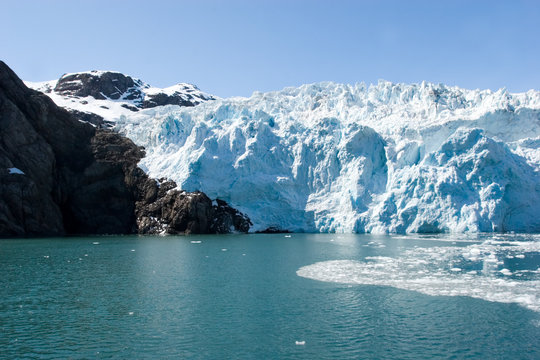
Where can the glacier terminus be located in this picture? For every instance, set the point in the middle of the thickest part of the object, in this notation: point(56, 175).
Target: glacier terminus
point(327, 157)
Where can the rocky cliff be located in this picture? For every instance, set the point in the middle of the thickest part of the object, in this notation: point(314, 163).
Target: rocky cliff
point(61, 175)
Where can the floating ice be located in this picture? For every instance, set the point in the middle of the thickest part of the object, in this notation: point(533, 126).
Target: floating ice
point(505, 272)
point(434, 271)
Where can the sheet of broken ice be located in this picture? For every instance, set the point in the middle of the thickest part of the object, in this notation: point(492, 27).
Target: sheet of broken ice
point(494, 270)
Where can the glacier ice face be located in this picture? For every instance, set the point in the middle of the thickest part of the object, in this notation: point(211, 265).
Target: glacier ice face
point(351, 158)
point(471, 183)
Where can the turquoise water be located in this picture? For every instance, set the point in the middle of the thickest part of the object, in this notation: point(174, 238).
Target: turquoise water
point(256, 296)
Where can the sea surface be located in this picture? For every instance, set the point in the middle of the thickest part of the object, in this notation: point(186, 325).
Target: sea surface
point(279, 296)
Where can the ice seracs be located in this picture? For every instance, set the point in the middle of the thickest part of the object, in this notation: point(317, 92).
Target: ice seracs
point(340, 158)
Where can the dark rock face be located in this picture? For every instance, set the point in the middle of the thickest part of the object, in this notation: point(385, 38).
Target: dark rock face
point(183, 97)
point(175, 211)
point(91, 118)
point(100, 85)
point(227, 218)
point(273, 230)
point(32, 140)
point(62, 176)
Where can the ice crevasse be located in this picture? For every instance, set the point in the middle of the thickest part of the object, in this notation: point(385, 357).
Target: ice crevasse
point(385, 158)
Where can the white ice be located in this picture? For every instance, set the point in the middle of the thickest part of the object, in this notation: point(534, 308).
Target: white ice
point(339, 158)
point(430, 271)
point(15, 170)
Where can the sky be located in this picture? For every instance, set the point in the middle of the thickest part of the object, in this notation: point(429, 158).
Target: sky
point(233, 48)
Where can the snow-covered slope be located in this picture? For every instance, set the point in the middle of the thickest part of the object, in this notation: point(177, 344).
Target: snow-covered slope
point(110, 94)
point(334, 157)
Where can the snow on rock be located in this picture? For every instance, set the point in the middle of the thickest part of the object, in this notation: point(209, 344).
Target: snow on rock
point(15, 170)
point(111, 94)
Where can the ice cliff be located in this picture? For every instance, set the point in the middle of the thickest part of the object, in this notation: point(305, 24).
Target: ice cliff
point(341, 158)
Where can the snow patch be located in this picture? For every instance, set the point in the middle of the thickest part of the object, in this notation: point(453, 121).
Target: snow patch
point(15, 170)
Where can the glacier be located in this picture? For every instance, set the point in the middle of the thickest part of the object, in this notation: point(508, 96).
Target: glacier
point(385, 158)
point(327, 157)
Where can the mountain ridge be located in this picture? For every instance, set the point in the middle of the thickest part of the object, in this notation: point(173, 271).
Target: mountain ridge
point(92, 95)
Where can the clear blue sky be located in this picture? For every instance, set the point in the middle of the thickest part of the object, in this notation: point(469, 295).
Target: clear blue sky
point(233, 48)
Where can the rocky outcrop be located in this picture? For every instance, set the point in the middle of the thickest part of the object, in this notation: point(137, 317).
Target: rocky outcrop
point(60, 176)
point(109, 85)
point(175, 211)
point(160, 207)
point(181, 95)
point(100, 85)
point(92, 118)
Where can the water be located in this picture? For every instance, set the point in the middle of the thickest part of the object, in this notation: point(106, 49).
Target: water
point(263, 296)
